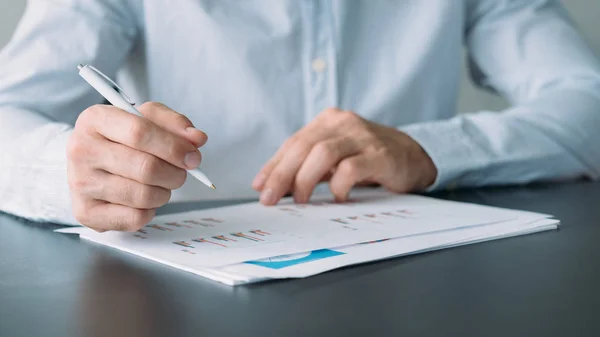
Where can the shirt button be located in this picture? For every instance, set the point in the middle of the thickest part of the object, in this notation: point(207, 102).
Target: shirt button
point(318, 65)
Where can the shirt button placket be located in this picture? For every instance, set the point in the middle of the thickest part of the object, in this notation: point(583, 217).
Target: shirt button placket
point(322, 58)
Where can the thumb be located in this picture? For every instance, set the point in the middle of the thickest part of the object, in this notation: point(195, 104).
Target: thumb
point(172, 121)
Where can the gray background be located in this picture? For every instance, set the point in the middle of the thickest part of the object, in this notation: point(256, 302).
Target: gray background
point(585, 13)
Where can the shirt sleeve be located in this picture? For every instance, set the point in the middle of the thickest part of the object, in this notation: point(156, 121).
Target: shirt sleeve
point(41, 96)
point(531, 53)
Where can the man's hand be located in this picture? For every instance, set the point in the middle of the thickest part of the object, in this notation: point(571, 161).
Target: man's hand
point(121, 167)
point(345, 149)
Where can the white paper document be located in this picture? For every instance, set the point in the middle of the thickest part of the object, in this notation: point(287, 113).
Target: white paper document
point(316, 262)
point(250, 242)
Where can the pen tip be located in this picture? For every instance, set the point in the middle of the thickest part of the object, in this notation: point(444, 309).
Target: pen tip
point(80, 66)
point(213, 187)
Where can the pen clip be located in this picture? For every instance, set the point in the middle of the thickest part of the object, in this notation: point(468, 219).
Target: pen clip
point(117, 88)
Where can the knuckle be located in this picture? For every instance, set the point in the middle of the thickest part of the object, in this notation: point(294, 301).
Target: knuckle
point(329, 117)
point(125, 193)
point(349, 169)
point(138, 132)
point(349, 117)
point(372, 139)
point(90, 114)
point(267, 169)
point(146, 196)
point(324, 150)
point(340, 119)
point(299, 149)
point(76, 148)
point(149, 197)
point(373, 147)
point(277, 177)
point(152, 106)
point(165, 196)
point(96, 109)
point(83, 211)
point(139, 218)
point(181, 120)
point(384, 151)
point(77, 184)
point(176, 149)
point(81, 214)
point(289, 143)
point(179, 178)
point(94, 118)
point(148, 168)
point(331, 111)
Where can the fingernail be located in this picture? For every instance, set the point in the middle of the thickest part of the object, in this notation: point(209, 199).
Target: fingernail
point(192, 160)
point(259, 180)
point(267, 197)
point(191, 129)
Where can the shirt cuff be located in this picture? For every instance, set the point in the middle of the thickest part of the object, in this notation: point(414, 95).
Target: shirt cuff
point(445, 143)
point(34, 176)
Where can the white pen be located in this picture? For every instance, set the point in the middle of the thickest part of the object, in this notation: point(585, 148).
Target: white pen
point(117, 97)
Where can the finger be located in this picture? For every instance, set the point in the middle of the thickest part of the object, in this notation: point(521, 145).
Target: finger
point(263, 175)
point(317, 130)
point(280, 180)
point(323, 179)
point(307, 136)
point(118, 190)
point(102, 216)
point(351, 171)
point(173, 122)
point(141, 134)
point(261, 178)
point(323, 157)
point(137, 165)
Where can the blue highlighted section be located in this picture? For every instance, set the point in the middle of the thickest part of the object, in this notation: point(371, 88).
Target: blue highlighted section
point(284, 261)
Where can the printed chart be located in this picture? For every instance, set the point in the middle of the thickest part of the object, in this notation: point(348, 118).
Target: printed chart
point(251, 232)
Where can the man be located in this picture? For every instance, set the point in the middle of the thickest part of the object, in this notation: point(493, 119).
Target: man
point(356, 91)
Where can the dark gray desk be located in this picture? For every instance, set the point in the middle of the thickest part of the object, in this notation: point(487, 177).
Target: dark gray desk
point(545, 284)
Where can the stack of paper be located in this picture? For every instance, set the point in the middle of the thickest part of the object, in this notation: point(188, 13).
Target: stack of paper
point(249, 243)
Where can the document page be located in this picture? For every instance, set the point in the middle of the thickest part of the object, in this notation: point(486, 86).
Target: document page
point(230, 235)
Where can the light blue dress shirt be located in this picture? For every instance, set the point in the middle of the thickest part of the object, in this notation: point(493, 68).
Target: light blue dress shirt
point(251, 73)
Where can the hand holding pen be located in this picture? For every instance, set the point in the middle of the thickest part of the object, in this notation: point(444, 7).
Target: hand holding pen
point(124, 162)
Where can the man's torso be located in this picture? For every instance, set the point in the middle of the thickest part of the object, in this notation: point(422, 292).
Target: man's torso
point(251, 73)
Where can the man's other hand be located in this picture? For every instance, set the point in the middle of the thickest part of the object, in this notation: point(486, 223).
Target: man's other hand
point(346, 150)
